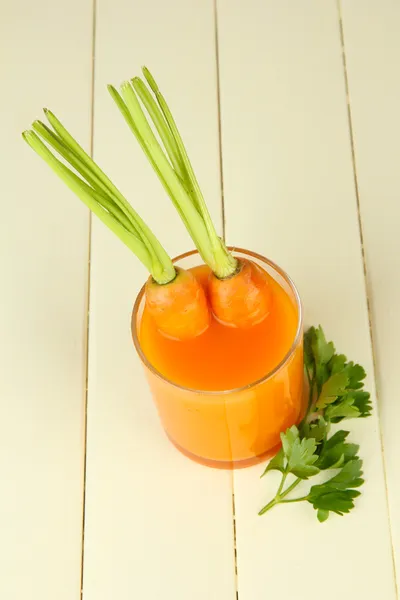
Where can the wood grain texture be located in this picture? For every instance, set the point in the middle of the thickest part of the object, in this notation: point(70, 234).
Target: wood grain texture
point(372, 46)
point(44, 239)
point(157, 525)
point(289, 194)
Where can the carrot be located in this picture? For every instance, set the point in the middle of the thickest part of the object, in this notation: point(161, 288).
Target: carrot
point(239, 292)
point(243, 300)
point(176, 300)
point(180, 308)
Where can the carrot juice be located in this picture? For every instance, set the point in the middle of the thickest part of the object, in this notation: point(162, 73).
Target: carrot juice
point(225, 396)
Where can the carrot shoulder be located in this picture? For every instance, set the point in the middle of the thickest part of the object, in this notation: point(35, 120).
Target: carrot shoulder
point(180, 307)
point(242, 300)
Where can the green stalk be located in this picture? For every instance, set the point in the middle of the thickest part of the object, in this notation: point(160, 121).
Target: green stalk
point(131, 123)
point(154, 247)
point(73, 159)
point(161, 125)
point(291, 487)
point(103, 205)
point(280, 496)
point(112, 208)
point(283, 480)
point(93, 181)
point(177, 192)
point(174, 177)
point(85, 193)
point(226, 262)
point(294, 499)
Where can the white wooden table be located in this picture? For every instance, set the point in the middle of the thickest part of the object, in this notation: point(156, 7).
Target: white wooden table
point(302, 101)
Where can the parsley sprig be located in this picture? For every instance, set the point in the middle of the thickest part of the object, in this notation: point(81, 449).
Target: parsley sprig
point(336, 392)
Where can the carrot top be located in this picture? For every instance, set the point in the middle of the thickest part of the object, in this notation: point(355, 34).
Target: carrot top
point(172, 166)
point(99, 194)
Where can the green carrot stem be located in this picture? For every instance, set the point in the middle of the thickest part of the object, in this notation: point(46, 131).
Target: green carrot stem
point(113, 209)
point(92, 200)
point(74, 147)
point(73, 159)
point(88, 175)
point(197, 196)
point(226, 262)
point(177, 192)
point(132, 125)
point(154, 247)
point(161, 125)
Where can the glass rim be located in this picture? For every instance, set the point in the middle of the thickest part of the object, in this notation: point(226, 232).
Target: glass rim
point(243, 388)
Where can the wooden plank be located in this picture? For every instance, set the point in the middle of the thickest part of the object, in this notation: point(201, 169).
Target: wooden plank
point(289, 194)
point(44, 238)
point(372, 46)
point(157, 525)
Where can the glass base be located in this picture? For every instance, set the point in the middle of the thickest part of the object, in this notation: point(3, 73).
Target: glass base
point(248, 462)
point(223, 464)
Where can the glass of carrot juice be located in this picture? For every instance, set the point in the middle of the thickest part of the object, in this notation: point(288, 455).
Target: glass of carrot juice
point(225, 396)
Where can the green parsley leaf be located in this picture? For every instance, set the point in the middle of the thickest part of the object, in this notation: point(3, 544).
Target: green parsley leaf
point(322, 350)
point(344, 409)
point(355, 403)
point(339, 502)
point(318, 352)
point(317, 430)
point(276, 464)
point(348, 477)
point(288, 439)
point(337, 363)
point(300, 454)
point(337, 495)
point(356, 374)
point(332, 388)
point(322, 515)
point(362, 401)
point(337, 438)
point(336, 452)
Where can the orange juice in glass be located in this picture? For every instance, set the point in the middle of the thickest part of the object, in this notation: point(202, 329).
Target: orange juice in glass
point(225, 396)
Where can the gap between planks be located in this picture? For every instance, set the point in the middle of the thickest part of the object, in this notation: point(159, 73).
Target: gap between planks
point(366, 277)
point(223, 216)
point(87, 311)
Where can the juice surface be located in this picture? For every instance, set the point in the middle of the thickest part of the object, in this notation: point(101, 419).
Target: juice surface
point(223, 358)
